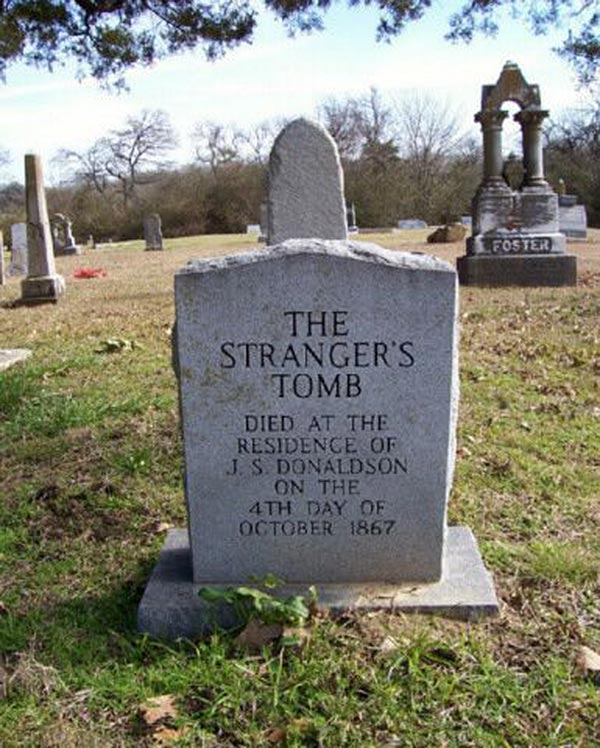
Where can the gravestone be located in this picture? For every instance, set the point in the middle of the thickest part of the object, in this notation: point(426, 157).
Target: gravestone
point(409, 224)
point(515, 238)
point(253, 229)
point(42, 283)
point(153, 232)
point(306, 192)
point(62, 236)
point(318, 394)
point(351, 219)
point(572, 216)
point(18, 249)
point(264, 223)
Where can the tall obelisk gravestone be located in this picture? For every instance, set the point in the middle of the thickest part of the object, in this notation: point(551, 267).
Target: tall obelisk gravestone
point(319, 388)
point(42, 283)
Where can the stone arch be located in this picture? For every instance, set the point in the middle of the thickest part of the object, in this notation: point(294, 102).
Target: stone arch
point(511, 86)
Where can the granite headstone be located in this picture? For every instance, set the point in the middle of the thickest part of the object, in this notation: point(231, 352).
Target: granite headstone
point(318, 394)
point(572, 217)
point(18, 249)
point(306, 192)
point(153, 232)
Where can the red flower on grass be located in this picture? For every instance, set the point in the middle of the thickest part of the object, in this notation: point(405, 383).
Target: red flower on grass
point(90, 273)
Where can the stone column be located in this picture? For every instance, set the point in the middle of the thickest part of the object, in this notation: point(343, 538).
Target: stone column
point(533, 154)
point(42, 283)
point(491, 127)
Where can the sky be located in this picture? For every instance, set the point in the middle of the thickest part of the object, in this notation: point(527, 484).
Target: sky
point(277, 77)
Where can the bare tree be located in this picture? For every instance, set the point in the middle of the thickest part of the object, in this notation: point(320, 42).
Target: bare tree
point(342, 119)
point(87, 167)
point(216, 145)
point(128, 156)
point(255, 144)
point(133, 152)
point(361, 126)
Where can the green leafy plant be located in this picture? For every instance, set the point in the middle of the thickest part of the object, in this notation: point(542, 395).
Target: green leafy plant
point(250, 602)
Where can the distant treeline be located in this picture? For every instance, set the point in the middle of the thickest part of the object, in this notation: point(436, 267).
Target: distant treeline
point(404, 159)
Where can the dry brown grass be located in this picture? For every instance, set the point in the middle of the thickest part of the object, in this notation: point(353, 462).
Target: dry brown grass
point(139, 285)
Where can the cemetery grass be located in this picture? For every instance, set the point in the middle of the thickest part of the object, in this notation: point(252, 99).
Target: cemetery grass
point(91, 469)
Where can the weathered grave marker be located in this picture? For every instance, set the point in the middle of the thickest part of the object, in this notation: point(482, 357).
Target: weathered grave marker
point(264, 223)
point(62, 236)
point(572, 216)
point(18, 249)
point(153, 232)
point(42, 283)
point(318, 389)
point(306, 193)
point(351, 218)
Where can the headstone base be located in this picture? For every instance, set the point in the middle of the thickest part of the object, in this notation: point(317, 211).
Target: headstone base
point(42, 289)
point(67, 251)
point(529, 270)
point(153, 249)
point(170, 607)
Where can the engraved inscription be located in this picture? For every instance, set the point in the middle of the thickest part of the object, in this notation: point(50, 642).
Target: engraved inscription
point(314, 469)
point(521, 245)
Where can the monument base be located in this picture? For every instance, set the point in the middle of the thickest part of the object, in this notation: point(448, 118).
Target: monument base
point(521, 270)
point(42, 289)
point(153, 249)
point(170, 607)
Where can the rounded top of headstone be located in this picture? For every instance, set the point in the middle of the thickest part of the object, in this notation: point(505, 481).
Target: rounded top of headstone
point(303, 123)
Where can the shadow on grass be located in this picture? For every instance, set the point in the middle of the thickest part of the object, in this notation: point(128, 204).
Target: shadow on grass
point(86, 631)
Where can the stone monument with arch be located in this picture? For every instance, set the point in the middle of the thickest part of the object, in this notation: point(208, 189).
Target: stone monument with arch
point(516, 239)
